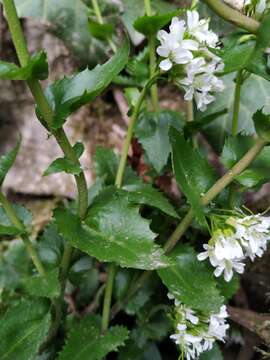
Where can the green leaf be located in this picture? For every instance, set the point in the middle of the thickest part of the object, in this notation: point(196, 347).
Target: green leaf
point(145, 194)
point(132, 351)
point(152, 132)
point(100, 31)
point(50, 246)
point(37, 68)
point(23, 328)
point(70, 93)
point(65, 164)
point(131, 13)
point(234, 149)
point(228, 289)
point(68, 20)
point(218, 130)
point(85, 341)
point(46, 286)
point(148, 25)
point(113, 231)
point(106, 165)
point(7, 227)
point(191, 281)
point(6, 161)
point(14, 264)
point(214, 354)
point(262, 124)
point(251, 178)
point(193, 173)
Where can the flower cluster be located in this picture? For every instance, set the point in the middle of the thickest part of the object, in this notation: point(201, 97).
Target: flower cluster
point(186, 46)
point(195, 332)
point(245, 236)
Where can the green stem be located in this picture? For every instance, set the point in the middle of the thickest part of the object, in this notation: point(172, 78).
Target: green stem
point(14, 219)
point(100, 21)
point(216, 189)
point(236, 105)
point(108, 299)
point(220, 185)
point(152, 58)
point(118, 183)
point(47, 116)
point(132, 122)
point(233, 16)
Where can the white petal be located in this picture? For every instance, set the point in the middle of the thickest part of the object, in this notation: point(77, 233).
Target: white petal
point(163, 51)
point(166, 65)
point(202, 256)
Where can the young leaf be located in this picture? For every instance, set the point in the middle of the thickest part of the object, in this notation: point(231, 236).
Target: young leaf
point(256, 177)
point(191, 281)
point(262, 124)
point(100, 31)
point(24, 327)
point(152, 132)
point(85, 341)
point(65, 164)
point(48, 286)
point(6, 161)
point(113, 231)
point(149, 25)
point(7, 227)
point(141, 193)
point(70, 93)
point(37, 68)
point(193, 173)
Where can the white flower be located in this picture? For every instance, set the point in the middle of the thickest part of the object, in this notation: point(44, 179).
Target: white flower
point(174, 47)
point(225, 254)
point(218, 326)
point(199, 28)
point(195, 337)
point(201, 82)
point(253, 233)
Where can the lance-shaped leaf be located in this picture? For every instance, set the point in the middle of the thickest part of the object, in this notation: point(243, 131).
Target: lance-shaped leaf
point(37, 68)
point(149, 25)
point(193, 173)
point(70, 93)
point(86, 342)
point(65, 164)
point(100, 31)
point(23, 329)
point(6, 161)
point(191, 281)
point(113, 231)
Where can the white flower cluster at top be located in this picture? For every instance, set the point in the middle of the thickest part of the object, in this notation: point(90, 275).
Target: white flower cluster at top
point(244, 237)
point(195, 332)
point(187, 46)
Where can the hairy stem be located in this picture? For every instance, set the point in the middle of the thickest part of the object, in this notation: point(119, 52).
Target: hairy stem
point(15, 220)
point(233, 16)
point(236, 104)
point(118, 183)
point(100, 21)
point(152, 58)
point(180, 230)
